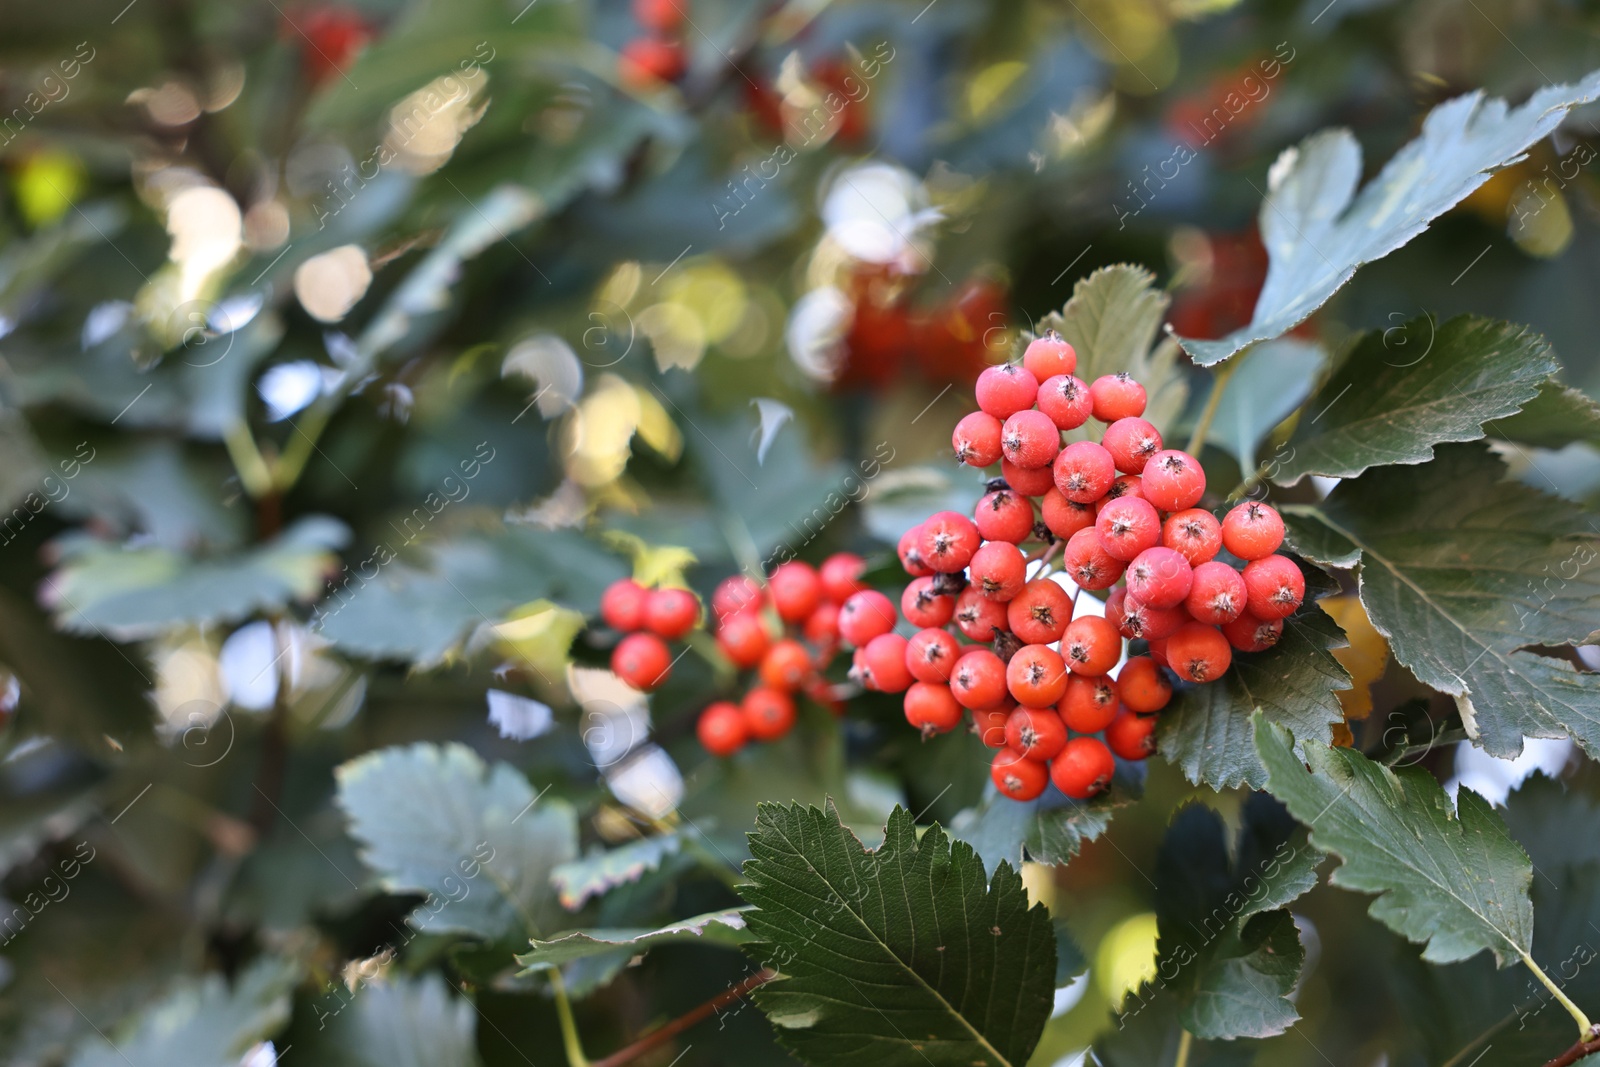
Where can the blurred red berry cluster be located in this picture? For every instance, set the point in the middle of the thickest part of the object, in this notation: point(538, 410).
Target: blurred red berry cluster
point(659, 55)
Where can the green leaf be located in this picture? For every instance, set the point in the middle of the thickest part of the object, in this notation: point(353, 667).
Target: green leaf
point(202, 1023)
point(396, 1022)
point(901, 956)
point(134, 593)
point(1386, 404)
point(1451, 880)
point(1150, 1034)
point(1111, 322)
point(473, 839)
point(1557, 417)
point(604, 869)
point(1206, 731)
point(1462, 572)
point(1264, 388)
point(424, 613)
point(725, 927)
point(1318, 230)
point(1049, 830)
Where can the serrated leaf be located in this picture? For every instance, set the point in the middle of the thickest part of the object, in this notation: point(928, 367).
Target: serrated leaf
point(1318, 230)
point(717, 927)
point(604, 869)
point(1263, 389)
point(1462, 572)
point(475, 839)
point(1386, 404)
point(1453, 881)
point(134, 593)
point(1049, 830)
point(901, 956)
point(1111, 321)
point(202, 1023)
point(1559, 416)
point(396, 1022)
point(1205, 730)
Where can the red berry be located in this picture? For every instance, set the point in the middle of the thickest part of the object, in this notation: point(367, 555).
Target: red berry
point(1159, 577)
point(1152, 624)
point(1049, 356)
point(1004, 516)
point(931, 655)
point(1029, 482)
point(1006, 389)
point(1158, 650)
point(1066, 400)
point(722, 729)
point(1250, 634)
point(1084, 471)
point(1040, 613)
point(979, 680)
point(1198, 653)
point(1141, 686)
point(1195, 534)
point(646, 61)
point(931, 708)
point(1030, 440)
point(910, 555)
point(641, 660)
point(768, 714)
point(1252, 530)
point(743, 639)
point(866, 615)
point(1017, 776)
point(1275, 586)
point(1173, 480)
point(671, 613)
point(1083, 768)
point(978, 617)
point(1091, 646)
point(948, 541)
point(1128, 485)
point(1064, 517)
point(1088, 563)
point(1217, 594)
point(1133, 737)
point(990, 726)
point(1036, 676)
point(734, 594)
point(923, 607)
point(660, 16)
point(1116, 607)
point(1127, 527)
point(1036, 733)
point(622, 605)
point(998, 571)
point(1117, 396)
point(882, 664)
point(1089, 704)
point(822, 626)
point(795, 589)
point(976, 439)
point(786, 666)
point(1131, 443)
point(840, 574)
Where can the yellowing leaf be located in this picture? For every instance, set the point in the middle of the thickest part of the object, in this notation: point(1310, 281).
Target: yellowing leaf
point(1366, 657)
point(539, 635)
point(654, 566)
point(47, 186)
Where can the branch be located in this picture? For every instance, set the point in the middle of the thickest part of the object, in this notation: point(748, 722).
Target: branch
point(1583, 1048)
point(683, 1022)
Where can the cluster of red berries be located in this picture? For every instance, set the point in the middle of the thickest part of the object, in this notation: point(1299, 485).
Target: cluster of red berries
point(659, 55)
point(805, 602)
point(1120, 510)
point(648, 619)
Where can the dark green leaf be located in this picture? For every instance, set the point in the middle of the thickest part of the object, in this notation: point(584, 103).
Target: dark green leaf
point(902, 956)
point(717, 927)
point(1462, 572)
point(474, 839)
point(1451, 880)
point(1559, 416)
point(1387, 404)
point(1049, 830)
point(1318, 230)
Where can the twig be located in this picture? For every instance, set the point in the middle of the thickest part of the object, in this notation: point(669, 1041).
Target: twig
point(1576, 1052)
point(1185, 1043)
point(1203, 426)
point(569, 1025)
point(1586, 1029)
point(683, 1022)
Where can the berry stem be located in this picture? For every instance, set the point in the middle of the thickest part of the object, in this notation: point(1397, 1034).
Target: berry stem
point(1586, 1029)
point(1203, 425)
point(1185, 1043)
